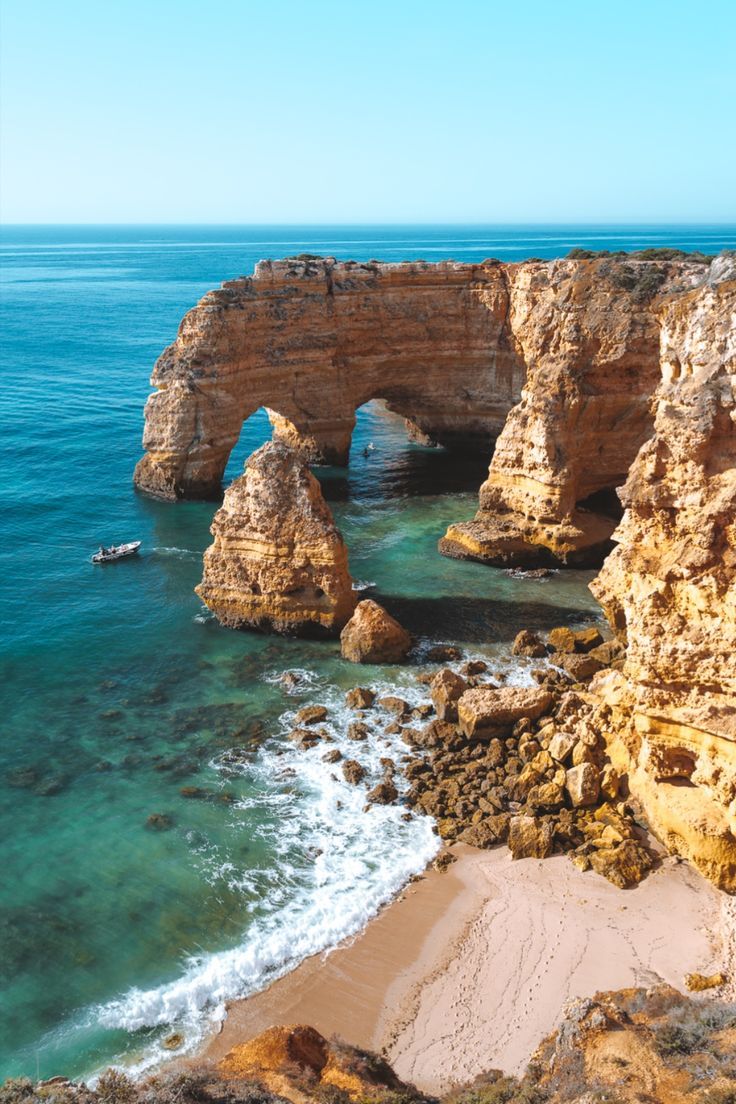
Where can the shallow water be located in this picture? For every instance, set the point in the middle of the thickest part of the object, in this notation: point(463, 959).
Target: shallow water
point(118, 689)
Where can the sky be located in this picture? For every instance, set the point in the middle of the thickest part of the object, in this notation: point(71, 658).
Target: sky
point(367, 111)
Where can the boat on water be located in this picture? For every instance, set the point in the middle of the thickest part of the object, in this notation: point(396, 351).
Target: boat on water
point(115, 552)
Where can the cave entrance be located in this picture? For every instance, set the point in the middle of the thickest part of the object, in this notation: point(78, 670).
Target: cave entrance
point(389, 459)
point(604, 502)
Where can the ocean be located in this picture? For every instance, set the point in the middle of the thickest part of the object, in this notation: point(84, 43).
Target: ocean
point(119, 690)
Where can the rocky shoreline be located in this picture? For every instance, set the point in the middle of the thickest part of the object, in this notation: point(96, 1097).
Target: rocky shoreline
point(596, 374)
point(628, 366)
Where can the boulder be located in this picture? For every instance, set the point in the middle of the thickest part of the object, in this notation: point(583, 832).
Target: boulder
point(583, 784)
point(625, 864)
point(530, 838)
point(610, 782)
point(436, 734)
point(548, 795)
point(561, 745)
point(608, 652)
point(359, 698)
point(483, 710)
point(581, 668)
point(587, 639)
point(373, 636)
point(305, 738)
point(353, 772)
point(562, 639)
point(488, 832)
point(446, 687)
point(311, 714)
point(394, 705)
point(474, 667)
point(527, 643)
point(358, 731)
point(385, 793)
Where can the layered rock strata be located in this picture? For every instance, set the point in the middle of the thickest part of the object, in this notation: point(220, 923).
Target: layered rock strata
point(278, 561)
point(669, 589)
point(589, 338)
point(312, 340)
point(448, 346)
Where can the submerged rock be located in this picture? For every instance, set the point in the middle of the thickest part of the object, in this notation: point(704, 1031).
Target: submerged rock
point(444, 653)
point(278, 560)
point(373, 636)
point(160, 822)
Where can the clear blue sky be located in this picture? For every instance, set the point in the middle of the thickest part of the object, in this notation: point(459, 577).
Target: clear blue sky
point(368, 110)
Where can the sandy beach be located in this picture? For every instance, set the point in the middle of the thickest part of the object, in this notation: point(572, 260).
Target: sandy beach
point(470, 969)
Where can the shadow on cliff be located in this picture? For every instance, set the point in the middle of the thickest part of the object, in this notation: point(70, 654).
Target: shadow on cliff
point(476, 620)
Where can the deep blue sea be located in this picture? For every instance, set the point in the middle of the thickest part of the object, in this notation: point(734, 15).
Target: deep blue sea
point(118, 689)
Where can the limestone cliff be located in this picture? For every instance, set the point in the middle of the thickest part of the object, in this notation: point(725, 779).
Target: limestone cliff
point(278, 560)
point(587, 333)
point(312, 340)
point(669, 589)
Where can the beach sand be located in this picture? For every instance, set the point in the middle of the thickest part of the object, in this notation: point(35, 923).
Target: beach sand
point(470, 969)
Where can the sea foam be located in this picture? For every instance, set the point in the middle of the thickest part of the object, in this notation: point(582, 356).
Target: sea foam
point(337, 865)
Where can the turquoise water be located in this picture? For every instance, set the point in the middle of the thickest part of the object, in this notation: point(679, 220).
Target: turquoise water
point(118, 689)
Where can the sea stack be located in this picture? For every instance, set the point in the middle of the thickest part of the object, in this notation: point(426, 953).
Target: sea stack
point(278, 560)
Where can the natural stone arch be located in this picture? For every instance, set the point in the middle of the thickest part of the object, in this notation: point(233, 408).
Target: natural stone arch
point(314, 340)
point(452, 348)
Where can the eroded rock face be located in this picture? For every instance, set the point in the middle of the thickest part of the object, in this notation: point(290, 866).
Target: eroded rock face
point(448, 346)
point(301, 1066)
point(312, 340)
point(669, 589)
point(278, 561)
point(589, 338)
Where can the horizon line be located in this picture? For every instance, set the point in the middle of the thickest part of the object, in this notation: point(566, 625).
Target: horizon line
point(289, 225)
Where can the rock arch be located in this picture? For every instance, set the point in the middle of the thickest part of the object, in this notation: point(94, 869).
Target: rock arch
point(314, 340)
